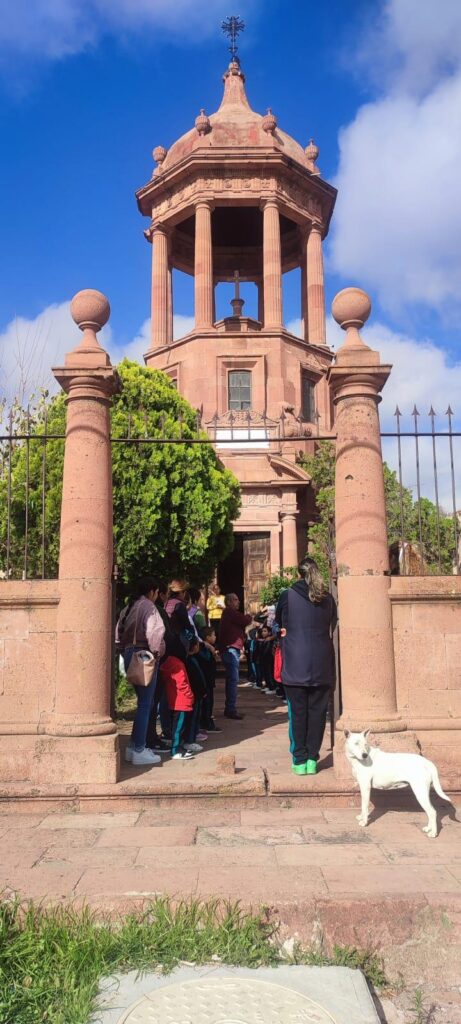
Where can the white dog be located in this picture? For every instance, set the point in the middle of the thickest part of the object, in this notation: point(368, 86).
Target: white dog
point(373, 768)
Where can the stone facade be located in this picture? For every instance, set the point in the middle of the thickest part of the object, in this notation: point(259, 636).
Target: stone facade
point(238, 194)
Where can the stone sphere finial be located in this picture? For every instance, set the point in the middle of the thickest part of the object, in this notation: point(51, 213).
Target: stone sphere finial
point(90, 308)
point(269, 122)
point(203, 123)
point(159, 154)
point(351, 307)
point(312, 151)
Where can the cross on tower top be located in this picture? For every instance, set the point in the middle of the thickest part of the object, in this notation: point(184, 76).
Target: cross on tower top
point(232, 27)
point(237, 303)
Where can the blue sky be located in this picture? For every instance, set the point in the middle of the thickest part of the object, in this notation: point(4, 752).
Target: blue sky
point(89, 87)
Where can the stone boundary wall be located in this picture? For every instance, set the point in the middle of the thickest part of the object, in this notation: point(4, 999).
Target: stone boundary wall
point(28, 614)
point(426, 616)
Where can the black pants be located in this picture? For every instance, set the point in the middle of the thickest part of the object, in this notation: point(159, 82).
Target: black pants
point(307, 714)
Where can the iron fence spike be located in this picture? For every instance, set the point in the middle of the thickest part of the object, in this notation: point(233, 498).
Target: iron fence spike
point(449, 411)
point(432, 412)
point(397, 412)
point(415, 411)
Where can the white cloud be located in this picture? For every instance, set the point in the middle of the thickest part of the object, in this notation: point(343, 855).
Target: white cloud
point(54, 29)
point(421, 375)
point(30, 347)
point(398, 219)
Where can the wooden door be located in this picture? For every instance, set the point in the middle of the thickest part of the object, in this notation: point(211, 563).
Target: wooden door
point(256, 569)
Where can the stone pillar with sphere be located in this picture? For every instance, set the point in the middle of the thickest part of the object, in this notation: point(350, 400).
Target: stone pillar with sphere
point(366, 639)
point(81, 743)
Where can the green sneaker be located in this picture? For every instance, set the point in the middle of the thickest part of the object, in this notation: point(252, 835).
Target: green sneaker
point(299, 769)
point(311, 767)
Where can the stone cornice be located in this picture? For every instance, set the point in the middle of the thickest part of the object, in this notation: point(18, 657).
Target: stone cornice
point(201, 173)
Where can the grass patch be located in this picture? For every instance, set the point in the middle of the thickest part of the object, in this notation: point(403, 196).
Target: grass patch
point(52, 960)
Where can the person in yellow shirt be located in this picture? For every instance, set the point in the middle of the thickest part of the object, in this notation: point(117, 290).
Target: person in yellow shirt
point(215, 607)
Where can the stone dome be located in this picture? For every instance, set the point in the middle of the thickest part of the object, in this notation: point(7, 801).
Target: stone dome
point(235, 125)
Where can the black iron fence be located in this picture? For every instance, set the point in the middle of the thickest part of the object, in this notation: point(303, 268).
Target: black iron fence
point(423, 454)
point(422, 482)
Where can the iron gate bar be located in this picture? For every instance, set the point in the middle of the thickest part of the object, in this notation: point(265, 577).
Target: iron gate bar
point(436, 486)
point(26, 523)
point(415, 415)
point(399, 449)
point(451, 435)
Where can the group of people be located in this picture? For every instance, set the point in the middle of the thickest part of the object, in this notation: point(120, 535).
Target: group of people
point(169, 622)
point(289, 653)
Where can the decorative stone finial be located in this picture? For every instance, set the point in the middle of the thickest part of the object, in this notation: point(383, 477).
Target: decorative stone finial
point(159, 154)
point(90, 309)
point(351, 308)
point(202, 123)
point(312, 152)
point(269, 122)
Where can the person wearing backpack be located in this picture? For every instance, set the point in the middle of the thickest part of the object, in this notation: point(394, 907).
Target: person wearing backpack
point(307, 616)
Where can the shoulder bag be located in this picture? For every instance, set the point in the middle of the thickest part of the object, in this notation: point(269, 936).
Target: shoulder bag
point(140, 671)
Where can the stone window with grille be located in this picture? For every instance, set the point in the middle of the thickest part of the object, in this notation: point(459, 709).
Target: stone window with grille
point(307, 398)
point(239, 390)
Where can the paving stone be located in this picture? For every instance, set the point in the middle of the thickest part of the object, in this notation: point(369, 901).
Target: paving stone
point(193, 816)
point(181, 858)
point(123, 819)
point(256, 884)
point(91, 857)
point(321, 855)
point(335, 835)
point(260, 835)
point(137, 881)
point(277, 816)
point(284, 995)
point(44, 880)
point(47, 838)
point(159, 835)
point(393, 878)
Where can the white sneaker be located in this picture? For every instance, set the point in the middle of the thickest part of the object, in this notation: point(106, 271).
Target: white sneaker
point(145, 756)
point(182, 755)
point(194, 748)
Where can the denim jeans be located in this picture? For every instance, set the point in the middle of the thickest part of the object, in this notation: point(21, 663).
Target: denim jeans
point(231, 660)
point(145, 697)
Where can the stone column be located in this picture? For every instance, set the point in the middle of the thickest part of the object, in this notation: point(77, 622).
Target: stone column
point(366, 639)
point(82, 745)
point(160, 289)
point(170, 305)
point(272, 265)
point(275, 549)
point(304, 304)
point(315, 287)
point(289, 539)
point(203, 266)
point(260, 287)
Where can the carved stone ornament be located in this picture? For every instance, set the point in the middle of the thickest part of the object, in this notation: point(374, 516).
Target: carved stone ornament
point(203, 123)
point(159, 154)
point(269, 122)
point(261, 499)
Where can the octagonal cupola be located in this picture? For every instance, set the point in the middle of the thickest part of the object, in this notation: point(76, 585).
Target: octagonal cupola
point(237, 194)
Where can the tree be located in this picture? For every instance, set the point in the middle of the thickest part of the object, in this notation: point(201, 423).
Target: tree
point(399, 502)
point(279, 581)
point(173, 503)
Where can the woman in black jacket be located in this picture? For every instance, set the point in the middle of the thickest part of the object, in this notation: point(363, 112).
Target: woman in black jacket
point(306, 613)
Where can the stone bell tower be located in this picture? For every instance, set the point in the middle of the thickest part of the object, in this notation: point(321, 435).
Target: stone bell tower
point(237, 199)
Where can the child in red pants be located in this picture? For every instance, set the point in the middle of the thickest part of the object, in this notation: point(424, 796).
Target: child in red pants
point(180, 700)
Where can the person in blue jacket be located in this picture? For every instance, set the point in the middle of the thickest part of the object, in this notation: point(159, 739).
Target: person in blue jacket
point(307, 616)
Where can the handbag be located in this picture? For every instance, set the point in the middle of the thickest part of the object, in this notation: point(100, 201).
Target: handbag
point(140, 671)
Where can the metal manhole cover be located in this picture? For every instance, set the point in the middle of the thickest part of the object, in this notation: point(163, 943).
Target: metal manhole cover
point(226, 1001)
